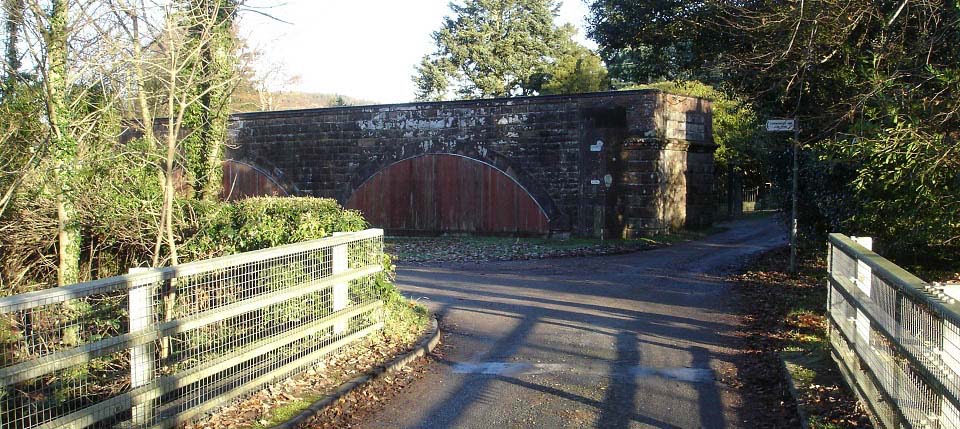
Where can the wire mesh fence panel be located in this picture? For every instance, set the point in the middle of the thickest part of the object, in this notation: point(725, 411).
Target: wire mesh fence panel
point(896, 339)
point(157, 347)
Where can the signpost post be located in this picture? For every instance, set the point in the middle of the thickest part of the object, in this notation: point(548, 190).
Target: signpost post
point(783, 125)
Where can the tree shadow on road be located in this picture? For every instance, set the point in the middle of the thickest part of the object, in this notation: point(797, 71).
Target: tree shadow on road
point(636, 318)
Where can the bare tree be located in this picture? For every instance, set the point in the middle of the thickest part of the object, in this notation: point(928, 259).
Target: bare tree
point(167, 41)
point(65, 54)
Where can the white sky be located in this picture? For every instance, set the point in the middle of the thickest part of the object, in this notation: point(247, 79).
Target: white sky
point(360, 48)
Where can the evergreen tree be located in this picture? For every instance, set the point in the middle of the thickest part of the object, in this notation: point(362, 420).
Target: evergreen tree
point(491, 48)
point(13, 9)
point(648, 41)
point(576, 70)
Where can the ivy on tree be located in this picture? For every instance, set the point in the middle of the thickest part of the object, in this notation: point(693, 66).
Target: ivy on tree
point(211, 29)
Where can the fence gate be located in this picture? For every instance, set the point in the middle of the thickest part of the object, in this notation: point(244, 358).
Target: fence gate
point(156, 348)
point(895, 338)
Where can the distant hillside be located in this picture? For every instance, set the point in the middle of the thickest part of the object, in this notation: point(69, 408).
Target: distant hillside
point(251, 101)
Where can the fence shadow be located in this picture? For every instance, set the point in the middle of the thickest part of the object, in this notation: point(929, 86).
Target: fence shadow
point(668, 311)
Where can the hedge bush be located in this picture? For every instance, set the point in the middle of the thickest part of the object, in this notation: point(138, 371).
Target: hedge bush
point(216, 228)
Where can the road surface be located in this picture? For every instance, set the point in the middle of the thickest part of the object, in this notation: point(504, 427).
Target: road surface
point(637, 340)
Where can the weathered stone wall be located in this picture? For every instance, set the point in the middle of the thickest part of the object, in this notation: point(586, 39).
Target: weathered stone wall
point(618, 162)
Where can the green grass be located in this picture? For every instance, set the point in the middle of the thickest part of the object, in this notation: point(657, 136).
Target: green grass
point(817, 422)
point(286, 412)
point(476, 249)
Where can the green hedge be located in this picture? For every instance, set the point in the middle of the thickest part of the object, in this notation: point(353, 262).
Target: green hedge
point(212, 229)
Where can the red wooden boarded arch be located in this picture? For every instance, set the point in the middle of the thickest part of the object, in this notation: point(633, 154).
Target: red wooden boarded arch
point(242, 180)
point(444, 192)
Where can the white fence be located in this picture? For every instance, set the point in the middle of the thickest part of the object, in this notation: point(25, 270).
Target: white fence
point(896, 338)
point(155, 348)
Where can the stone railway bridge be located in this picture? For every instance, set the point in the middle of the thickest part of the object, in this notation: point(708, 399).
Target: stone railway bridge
point(617, 164)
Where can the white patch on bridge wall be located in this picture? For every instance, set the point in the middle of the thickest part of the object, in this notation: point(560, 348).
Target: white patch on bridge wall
point(402, 121)
point(512, 119)
point(426, 124)
point(234, 132)
point(469, 122)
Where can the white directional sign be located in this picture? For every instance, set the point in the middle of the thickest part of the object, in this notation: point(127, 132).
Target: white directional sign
point(780, 124)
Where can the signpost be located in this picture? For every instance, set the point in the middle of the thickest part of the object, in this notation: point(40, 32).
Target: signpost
point(774, 125)
point(783, 125)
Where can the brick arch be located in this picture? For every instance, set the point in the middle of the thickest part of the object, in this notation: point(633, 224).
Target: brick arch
point(441, 192)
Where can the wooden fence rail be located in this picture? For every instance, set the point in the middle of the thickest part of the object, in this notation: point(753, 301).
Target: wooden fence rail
point(895, 338)
point(157, 347)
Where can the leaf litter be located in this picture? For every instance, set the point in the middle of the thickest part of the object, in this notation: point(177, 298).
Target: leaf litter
point(282, 400)
point(785, 312)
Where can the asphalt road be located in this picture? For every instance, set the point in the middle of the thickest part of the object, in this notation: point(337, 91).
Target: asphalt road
point(637, 340)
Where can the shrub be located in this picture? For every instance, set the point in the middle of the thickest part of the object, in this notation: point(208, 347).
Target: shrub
point(270, 221)
point(210, 229)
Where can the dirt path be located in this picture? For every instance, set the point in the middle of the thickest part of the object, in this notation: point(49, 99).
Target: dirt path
point(637, 340)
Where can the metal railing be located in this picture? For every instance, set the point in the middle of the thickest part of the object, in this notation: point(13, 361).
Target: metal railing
point(155, 348)
point(896, 338)
point(750, 198)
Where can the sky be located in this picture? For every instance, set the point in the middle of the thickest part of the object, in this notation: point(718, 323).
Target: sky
point(360, 48)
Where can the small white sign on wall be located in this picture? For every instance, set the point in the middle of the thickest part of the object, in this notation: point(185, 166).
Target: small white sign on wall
point(597, 147)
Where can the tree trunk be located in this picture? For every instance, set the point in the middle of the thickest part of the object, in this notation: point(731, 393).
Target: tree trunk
point(146, 118)
point(14, 11)
point(212, 32)
point(64, 146)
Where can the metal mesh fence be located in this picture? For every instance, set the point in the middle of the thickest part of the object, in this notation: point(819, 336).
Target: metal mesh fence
point(897, 341)
point(155, 348)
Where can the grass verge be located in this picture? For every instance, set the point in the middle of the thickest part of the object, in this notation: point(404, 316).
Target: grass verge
point(417, 250)
point(784, 316)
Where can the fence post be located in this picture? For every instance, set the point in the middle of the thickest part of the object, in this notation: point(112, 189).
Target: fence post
point(864, 282)
point(830, 276)
point(950, 352)
point(140, 311)
point(341, 295)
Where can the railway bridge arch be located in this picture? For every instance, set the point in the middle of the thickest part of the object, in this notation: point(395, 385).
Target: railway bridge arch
point(612, 163)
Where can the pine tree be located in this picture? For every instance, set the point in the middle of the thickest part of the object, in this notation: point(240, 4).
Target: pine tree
point(491, 48)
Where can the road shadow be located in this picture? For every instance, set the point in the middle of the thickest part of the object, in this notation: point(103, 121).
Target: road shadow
point(671, 306)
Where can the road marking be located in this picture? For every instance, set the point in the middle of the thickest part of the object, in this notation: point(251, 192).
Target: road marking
point(689, 375)
point(508, 368)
